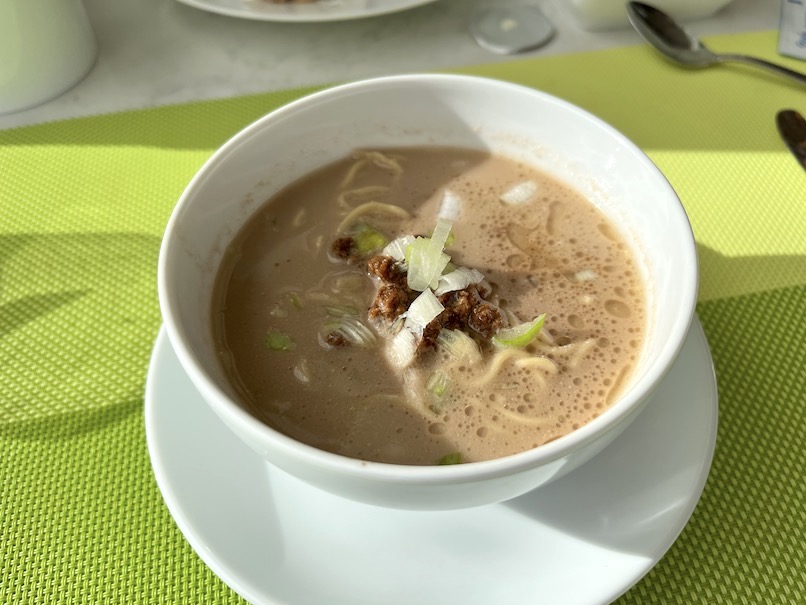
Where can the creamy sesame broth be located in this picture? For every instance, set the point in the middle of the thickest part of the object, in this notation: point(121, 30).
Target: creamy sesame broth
point(321, 332)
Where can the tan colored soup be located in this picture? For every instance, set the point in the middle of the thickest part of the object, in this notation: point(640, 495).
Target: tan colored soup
point(279, 287)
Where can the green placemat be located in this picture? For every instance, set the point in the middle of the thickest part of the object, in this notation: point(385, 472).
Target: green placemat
point(83, 204)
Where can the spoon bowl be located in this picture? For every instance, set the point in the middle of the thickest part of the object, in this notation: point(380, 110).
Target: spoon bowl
point(667, 36)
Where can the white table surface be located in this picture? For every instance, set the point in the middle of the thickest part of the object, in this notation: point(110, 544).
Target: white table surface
point(159, 52)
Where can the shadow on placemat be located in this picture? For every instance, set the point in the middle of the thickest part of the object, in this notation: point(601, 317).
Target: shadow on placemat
point(78, 316)
point(71, 424)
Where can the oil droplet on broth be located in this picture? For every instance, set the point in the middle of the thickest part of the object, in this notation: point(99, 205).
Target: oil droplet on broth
point(616, 308)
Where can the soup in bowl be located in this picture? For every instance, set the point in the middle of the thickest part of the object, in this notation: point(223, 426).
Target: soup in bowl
point(428, 292)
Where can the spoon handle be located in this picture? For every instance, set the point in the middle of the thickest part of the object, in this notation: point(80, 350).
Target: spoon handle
point(779, 69)
point(792, 128)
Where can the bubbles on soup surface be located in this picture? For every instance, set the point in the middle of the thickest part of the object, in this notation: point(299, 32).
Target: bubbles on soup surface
point(556, 254)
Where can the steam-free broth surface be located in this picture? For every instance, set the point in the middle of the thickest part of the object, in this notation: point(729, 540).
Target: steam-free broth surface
point(294, 334)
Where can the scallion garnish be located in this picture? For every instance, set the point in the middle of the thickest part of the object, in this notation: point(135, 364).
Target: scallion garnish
point(397, 248)
point(459, 345)
point(458, 279)
point(454, 458)
point(341, 310)
point(353, 331)
point(295, 300)
point(426, 259)
point(368, 239)
point(422, 310)
point(402, 349)
point(437, 384)
point(520, 335)
point(302, 372)
point(348, 283)
point(442, 231)
point(279, 341)
point(450, 206)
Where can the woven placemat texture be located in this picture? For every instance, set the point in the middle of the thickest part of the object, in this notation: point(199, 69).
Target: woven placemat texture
point(84, 202)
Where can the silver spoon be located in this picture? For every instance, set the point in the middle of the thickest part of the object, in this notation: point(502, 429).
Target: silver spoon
point(662, 32)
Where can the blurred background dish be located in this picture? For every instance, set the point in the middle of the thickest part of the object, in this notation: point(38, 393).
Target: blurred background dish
point(600, 15)
point(46, 48)
point(311, 10)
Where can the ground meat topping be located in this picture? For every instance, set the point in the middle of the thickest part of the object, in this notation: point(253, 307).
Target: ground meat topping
point(430, 335)
point(387, 269)
point(390, 302)
point(458, 306)
point(486, 319)
point(466, 309)
point(343, 248)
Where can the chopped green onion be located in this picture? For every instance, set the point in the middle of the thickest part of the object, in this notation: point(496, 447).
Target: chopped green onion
point(352, 330)
point(520, 335)
point(278, 341)
point(295, 300)
point(368, 239)
point(437, 383)
point(422, 310)
point(341, 310)
point(459, 345)
point(454, 458)
point(348, 283)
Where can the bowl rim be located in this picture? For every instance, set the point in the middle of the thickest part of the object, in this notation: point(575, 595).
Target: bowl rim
point(288, 448)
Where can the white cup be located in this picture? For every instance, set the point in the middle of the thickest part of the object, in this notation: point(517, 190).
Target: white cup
point(46, 47)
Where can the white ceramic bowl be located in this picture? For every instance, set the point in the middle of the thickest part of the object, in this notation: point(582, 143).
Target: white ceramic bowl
point(419, 110)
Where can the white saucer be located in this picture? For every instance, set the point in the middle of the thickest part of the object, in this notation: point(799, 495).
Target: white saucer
point(321, 10)
point(585, 538)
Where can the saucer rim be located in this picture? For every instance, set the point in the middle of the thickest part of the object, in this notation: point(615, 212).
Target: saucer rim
point(231, 577)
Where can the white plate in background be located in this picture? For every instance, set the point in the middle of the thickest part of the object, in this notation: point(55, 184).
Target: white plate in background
point(318, 10)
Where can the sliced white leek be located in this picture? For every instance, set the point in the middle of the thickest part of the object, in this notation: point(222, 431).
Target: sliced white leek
point(458, 279)
point(397, 248)
point(422, 310)
point(459, 345)
point(402, 349)
point(520, 193)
